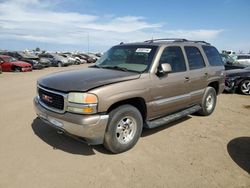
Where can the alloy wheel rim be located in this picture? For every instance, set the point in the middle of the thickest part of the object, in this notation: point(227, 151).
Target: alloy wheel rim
point(209, 102)
point(126, 129)
point(245, 87)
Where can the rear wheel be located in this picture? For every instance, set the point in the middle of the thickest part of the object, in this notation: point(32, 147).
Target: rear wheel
point(245, 87)
point(208, 102)
point(124, 129)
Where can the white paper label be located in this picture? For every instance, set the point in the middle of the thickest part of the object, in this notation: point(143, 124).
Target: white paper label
point(143, 50)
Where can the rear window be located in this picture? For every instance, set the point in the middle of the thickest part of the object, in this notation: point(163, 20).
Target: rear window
point(213, 56)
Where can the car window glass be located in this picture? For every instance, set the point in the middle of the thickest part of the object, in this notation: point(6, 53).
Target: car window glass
point(194, 56)
point(174, 57)
point(213, 56)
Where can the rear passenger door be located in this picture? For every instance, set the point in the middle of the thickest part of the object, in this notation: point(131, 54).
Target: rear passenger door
point(198, 73)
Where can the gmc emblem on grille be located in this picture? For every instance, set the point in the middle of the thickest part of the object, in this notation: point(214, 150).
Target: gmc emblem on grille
point(47, 98)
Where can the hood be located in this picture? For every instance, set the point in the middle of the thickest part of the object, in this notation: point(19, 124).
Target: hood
point(21, 64)
point(85, 79)
point(236, 71)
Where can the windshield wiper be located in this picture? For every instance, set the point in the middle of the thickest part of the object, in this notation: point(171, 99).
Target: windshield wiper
point(117, 68)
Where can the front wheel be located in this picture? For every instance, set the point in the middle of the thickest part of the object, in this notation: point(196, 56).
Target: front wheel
point(245, 87)
point(208, 102)
point(17, 69)
point(124, 129)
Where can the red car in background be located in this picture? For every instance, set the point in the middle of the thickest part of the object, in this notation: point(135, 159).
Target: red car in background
point(9, 64)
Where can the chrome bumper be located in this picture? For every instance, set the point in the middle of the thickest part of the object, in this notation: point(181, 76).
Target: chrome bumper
point(89, 127)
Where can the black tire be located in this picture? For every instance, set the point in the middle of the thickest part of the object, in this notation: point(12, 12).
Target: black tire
point(244, 87)
point(208, 102)
point(59, 64)
point(113, 140)
point(17, 69)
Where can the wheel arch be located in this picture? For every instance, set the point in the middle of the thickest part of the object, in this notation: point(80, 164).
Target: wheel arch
point(215, 85)
point(137, 102)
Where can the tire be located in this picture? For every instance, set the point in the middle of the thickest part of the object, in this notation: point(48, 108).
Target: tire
point(59, 64)
point(208, 102)
point(17, 69)
point(245, 87)
point(124, 129)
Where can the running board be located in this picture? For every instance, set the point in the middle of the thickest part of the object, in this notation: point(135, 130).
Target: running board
point(173, 117)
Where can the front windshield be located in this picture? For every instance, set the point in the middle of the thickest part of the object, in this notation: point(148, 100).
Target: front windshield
point(27, 55)
point(135, 58)
point(9, 59)
point(57, 56)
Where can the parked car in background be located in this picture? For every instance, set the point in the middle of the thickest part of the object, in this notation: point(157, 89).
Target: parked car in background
point(0, 69)
point(70, 58)
point(9, 64)
point(45, 62)
point(238, 80)
point(21, 56)
point(230, 63)
point(243, 59)
point(88, 58)
point(55, 59)
point(229, 52)
point(79, 58)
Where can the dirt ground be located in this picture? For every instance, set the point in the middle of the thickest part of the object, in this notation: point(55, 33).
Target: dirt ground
point(197, 151)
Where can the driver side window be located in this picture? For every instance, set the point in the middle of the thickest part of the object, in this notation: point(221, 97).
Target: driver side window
point(173, 55)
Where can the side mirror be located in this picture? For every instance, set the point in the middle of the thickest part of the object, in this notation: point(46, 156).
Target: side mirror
point(1, 61)
point(164, 69)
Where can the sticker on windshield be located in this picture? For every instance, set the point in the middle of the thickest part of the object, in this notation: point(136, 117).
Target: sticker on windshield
point(143, 50)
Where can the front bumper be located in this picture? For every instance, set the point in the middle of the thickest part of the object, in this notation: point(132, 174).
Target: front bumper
point(230, 86)
point(91, 128)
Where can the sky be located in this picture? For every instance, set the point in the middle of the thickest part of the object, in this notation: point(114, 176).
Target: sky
point(96, 25)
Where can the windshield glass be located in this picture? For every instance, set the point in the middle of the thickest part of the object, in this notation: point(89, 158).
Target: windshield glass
point(135, 58)
point(9, 59)
point(27, 55)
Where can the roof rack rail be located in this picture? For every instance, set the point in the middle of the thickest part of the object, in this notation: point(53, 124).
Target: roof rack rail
point(176, 40)
point(199, 41)
point(167, 39)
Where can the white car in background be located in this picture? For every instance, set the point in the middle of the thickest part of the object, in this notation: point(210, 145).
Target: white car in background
point(243, 59)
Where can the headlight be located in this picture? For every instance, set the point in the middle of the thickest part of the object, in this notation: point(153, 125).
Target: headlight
point(82, 98)
point(84, 103)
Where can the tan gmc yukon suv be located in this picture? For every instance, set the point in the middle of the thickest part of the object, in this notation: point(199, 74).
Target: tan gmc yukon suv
point(131, 87)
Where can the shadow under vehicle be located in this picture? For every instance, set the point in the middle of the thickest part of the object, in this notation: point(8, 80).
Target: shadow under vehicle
point(239, 151)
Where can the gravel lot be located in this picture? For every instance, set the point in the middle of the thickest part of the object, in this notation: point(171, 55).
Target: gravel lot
point(197, 151)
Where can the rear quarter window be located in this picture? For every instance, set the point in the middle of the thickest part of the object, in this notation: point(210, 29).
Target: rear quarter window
point(213, 56)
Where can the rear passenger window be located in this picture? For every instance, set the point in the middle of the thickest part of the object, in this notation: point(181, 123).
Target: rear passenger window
point(173, 56)
point(213, 56)
point(194, 56)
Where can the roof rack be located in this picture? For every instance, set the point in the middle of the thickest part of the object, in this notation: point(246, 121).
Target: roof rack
point(176, 40)
point(167, 39)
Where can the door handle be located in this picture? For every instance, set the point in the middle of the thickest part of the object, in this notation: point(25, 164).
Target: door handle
point(206, 74)
point(187, 79)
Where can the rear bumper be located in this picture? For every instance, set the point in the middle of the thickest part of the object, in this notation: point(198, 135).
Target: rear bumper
point(89, 127)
